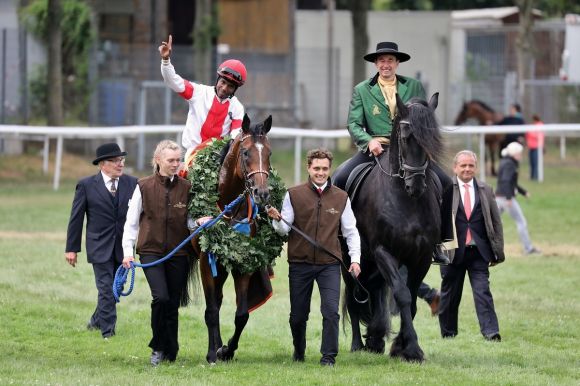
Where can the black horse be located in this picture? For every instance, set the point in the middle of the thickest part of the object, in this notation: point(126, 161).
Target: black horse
point(398, 217)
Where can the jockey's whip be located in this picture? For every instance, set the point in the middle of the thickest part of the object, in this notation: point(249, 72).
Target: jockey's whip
point(122, 272)
point(324, 249)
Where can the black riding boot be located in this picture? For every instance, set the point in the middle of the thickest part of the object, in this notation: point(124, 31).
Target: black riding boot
point(299, 340)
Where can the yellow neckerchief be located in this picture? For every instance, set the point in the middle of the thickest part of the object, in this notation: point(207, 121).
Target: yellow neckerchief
point(389, 89)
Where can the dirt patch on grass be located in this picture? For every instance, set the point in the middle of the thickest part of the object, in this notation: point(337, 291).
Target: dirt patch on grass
point(38, 236)
point(555, 250)
point(28, 167)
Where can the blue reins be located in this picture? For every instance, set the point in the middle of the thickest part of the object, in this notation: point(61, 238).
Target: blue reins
point(122, 272)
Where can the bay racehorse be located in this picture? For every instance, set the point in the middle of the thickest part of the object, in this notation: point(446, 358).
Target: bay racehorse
point(398, 217)
point(484, 115)
point(245, 170)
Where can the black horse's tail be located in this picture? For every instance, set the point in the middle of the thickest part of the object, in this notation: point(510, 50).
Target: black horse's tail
point(381, 294)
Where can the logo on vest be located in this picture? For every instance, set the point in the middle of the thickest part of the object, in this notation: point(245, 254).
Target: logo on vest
point(376, 110)
point(332, 211)
point(179, 205)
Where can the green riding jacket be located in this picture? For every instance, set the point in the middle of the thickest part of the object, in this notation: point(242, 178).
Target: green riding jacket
point(369, 116)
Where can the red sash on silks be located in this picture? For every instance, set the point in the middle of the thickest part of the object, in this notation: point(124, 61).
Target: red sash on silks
point(191, 157)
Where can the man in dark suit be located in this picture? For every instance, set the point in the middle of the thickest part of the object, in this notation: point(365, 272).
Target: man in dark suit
point(479, 245)
point(104, 199)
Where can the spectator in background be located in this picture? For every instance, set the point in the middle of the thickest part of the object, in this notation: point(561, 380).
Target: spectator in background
point(535, 143)
point(507, 187)
point(515, 117)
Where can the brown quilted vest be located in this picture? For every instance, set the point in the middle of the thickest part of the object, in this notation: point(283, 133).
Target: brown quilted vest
point(318, 217)
point(163, 222)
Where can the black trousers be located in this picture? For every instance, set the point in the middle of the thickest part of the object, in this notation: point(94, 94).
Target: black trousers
point(302, 277)
point(105, 315)
point(166, 281)
point(452, 288)
point(340, 177)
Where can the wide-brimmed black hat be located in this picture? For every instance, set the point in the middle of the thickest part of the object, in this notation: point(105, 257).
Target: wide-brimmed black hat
point(108, 151)
point(387, 48)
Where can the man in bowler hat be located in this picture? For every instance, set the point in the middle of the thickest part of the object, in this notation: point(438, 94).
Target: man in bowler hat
point(373, 108)
point(104, 199)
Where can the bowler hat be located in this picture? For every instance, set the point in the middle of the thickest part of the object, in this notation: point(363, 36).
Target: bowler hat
point(387, 48)
point(108, 151)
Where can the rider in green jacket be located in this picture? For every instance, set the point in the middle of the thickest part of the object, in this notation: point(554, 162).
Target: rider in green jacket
point(371, 114)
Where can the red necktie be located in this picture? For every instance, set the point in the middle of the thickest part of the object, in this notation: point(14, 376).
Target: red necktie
point(319, 191)
point(467, 208)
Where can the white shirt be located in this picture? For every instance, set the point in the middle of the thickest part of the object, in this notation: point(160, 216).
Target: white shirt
point(208, 116)
point(471, 192)
point(347, 226)
point(131, 228)
point(109, 181)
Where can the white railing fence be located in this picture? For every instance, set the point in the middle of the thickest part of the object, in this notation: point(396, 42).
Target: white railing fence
point(121, 132)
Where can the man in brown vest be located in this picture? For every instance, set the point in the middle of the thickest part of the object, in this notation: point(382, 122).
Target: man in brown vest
point(320, 210)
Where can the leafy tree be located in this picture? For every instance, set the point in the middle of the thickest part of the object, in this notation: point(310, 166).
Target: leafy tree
point(71, 19)
point(358, 11)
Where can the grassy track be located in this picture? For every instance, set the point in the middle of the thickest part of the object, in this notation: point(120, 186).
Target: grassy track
point(45, 304)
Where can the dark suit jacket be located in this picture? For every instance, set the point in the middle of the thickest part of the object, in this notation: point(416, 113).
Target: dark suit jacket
point(484, 223)
point(104, 221)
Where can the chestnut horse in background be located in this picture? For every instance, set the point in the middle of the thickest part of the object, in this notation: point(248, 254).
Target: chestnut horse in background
point(484, 115)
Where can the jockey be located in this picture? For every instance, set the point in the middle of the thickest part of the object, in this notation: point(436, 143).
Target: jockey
point(214, 112)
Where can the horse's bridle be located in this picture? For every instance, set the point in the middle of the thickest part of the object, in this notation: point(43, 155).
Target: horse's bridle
point(405, 171)
point(247, 174)
point(248, 183)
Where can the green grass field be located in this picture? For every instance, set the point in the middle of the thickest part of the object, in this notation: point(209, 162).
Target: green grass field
point(45, 305)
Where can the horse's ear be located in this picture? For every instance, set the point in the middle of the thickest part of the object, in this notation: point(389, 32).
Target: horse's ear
point(434, 101)
point(401, 107)
point(246, 124)
point(267, 124)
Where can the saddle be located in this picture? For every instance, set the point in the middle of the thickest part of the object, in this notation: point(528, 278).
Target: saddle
point(360, 172)
point(356, 178)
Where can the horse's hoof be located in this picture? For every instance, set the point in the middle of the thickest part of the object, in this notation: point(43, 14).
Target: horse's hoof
point(211, 359)
point(357, 348)
point(224, 354)
point(409, 355)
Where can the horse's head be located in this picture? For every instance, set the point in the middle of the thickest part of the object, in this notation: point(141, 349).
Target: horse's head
point(478, 110)
point(418, 140)
point(254, 158)
point(463, 114)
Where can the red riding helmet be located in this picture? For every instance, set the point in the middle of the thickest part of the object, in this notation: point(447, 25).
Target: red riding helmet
point(234, 71)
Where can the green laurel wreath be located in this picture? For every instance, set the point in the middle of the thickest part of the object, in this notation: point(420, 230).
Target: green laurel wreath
point(234, 250)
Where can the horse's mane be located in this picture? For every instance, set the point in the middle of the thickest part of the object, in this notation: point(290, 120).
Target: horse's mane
point(483, 105)
point(425, 128)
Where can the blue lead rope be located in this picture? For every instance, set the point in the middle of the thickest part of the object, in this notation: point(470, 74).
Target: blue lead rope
point(122, 272)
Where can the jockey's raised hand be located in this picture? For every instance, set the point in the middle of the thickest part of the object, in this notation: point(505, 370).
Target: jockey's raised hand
point(165, 48)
